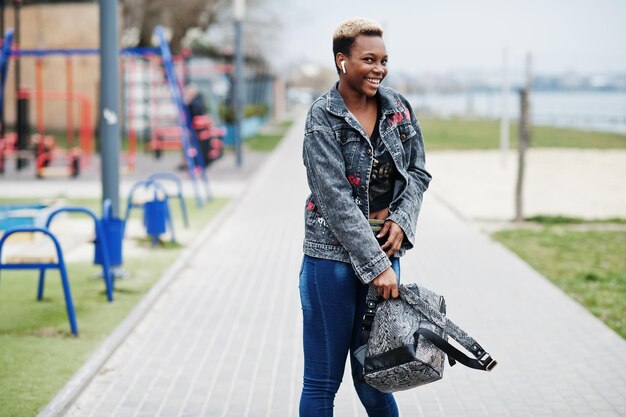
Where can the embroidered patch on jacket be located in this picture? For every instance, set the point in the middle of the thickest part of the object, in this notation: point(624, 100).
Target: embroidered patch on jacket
point(396, 118)
point(311, 206)
point(354, 180)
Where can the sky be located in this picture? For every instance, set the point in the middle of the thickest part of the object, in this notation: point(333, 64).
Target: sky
point(438, 36)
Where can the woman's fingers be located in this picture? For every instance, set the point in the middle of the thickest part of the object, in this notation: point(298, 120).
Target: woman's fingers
point(387, 284)
point(385, 229)
point(394, 292)
point(394, 241)
point(390, 291)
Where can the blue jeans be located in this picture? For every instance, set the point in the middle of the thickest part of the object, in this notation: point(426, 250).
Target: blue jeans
point(333, 304)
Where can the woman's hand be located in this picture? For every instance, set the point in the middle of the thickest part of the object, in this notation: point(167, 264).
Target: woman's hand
point(387, 283)
point(394, 239)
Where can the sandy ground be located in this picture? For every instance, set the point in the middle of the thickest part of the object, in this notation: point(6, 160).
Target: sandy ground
point(480, 185)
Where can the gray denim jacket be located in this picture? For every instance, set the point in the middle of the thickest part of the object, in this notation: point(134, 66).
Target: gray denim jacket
point(338, 159)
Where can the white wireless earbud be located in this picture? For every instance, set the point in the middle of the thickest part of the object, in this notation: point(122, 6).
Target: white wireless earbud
point(343, 66)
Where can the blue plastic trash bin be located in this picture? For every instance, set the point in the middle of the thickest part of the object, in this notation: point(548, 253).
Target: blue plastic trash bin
point(155, 218)
point(114, 231)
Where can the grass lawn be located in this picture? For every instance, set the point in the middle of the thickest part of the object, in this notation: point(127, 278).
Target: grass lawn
point(38, 354)
point(465, 134)
point(266, 142)
point(589, 265)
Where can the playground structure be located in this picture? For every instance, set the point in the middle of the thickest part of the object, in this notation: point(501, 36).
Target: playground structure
point(150, 118)
point(49, 157)
point(169, 123)
point(151, 113)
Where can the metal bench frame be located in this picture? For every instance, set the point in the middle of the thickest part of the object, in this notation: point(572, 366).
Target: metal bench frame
point(100, 241)
point(43, 266)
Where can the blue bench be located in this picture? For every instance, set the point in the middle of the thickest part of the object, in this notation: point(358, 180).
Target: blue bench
point(42, 267)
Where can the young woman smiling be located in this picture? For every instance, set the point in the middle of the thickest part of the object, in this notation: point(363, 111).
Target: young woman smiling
point(364, 157)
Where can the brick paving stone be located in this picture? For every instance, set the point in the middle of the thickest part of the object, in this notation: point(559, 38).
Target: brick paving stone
point(521, 413)
point(224, 339)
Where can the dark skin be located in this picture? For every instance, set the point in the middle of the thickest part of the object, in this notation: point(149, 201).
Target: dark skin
point(366, 67)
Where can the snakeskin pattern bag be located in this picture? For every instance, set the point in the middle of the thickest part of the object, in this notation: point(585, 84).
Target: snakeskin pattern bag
point(404, 341)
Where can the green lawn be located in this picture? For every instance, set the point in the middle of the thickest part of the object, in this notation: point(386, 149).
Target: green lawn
point(465, 134)
point(38, 353)
point(266, 142)
point(588, 265)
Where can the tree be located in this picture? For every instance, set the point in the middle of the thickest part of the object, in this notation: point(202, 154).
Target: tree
point(141, 16)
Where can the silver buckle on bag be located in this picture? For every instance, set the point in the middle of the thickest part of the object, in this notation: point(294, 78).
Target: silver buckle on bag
point(487, 361)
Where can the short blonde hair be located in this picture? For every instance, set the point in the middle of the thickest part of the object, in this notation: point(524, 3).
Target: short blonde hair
point(356, 26)
point(347, 32)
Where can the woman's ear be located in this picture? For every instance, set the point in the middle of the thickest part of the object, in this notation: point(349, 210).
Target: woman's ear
point(340, 62)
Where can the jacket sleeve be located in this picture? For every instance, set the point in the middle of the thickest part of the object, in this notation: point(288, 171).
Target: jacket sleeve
point(332, 194)
point(405, 209)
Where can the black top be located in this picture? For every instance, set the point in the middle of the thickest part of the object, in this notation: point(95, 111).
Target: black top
point(383, 172)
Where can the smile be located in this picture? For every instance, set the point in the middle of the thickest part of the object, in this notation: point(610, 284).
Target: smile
point(374, 81)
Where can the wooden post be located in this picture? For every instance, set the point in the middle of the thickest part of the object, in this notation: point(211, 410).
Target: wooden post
point(521, 155)
point(523, 142)
point(504, 118)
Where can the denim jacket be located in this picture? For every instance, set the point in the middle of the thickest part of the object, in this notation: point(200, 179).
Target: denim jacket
point(338, 158)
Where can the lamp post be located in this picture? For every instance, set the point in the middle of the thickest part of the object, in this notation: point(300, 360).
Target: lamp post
point(109, 104)
point(238, 99)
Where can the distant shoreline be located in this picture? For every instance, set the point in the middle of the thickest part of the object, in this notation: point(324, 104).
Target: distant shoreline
point(587, 110)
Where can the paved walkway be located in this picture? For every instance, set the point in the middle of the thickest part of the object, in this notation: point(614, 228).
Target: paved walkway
point(224, 338)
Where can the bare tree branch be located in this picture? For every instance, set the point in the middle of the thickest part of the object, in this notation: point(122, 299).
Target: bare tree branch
point(142, 16)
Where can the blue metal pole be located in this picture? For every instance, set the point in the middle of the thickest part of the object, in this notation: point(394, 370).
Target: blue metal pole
point(2, 35)
point(239, 90)
point(109, 103)
point(17, 4)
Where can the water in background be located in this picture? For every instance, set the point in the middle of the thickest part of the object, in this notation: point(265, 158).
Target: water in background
point(601, 111)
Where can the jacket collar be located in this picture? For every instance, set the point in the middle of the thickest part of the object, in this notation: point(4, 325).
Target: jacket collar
point(388, 102)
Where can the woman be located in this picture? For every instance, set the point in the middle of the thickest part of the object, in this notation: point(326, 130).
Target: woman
point(364, 158)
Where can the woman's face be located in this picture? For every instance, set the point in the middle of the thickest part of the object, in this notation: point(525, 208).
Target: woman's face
point(366, 66)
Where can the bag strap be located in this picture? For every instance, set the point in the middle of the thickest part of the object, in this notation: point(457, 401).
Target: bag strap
point(482, 362)
point(368, 320)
